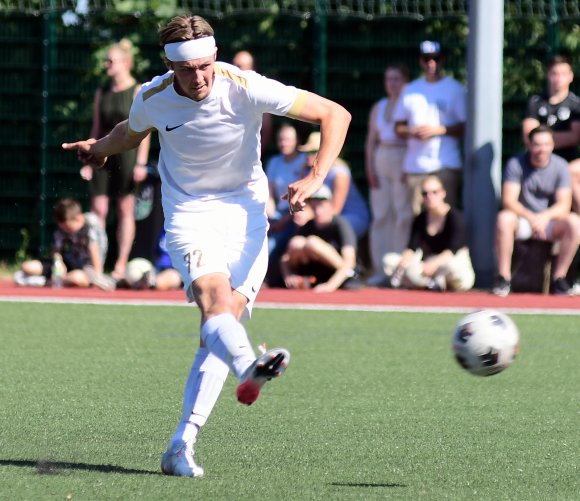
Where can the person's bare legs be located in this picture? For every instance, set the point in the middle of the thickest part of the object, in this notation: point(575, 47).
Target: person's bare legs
point(125, 233)
point(100, 206)
point(567, 231)
point(574, 167)
point(506, 226)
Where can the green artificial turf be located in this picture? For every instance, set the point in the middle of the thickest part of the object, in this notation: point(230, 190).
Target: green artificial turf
point(372, 406)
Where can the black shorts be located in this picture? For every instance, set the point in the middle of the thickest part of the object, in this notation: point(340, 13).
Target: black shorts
point(115, 178)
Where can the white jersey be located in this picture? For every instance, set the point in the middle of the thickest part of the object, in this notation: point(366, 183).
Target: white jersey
point(437, 103)
point(210, 149)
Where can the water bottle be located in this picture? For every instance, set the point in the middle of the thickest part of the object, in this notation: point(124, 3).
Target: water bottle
point(57, 272)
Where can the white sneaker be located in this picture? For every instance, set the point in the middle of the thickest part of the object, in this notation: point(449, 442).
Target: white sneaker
point(180, 463)
point(24, 280)
point(271, 364)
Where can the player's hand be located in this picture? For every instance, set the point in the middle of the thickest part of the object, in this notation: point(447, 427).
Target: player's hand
point(300, 191)
point(84, 153)
point(86, 172)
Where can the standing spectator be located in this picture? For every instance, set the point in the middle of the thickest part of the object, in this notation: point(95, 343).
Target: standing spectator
point(559, 109)
point(430, 115)
point(245, 61)
point(390, 197)
point(208, 116)
point(79, 243)
point(323, 253)
point(118, 178)
point(281, 170)
point(346, 198)
point(437, 257)
point(536, 199)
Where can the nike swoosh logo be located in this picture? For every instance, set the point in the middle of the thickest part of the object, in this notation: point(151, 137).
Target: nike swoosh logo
point(169, 129)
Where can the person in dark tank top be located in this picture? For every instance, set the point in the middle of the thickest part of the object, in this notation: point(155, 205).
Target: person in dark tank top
point(117, 180)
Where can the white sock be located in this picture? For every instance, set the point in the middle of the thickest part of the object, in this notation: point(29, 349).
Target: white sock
point(227, 339)
point(202, 389)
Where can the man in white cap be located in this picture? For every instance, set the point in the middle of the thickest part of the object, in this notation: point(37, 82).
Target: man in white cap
point(214, 191)
point(431, 115)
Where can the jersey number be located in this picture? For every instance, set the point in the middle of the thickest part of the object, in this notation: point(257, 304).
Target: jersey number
point(193, 258)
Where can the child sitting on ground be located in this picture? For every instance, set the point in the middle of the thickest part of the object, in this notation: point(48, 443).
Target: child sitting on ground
point(79, 247)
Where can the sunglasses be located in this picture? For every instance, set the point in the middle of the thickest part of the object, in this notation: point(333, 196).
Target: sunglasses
point(424, 193)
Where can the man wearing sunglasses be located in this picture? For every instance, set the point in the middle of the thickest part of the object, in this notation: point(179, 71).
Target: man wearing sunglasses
point(431, 115)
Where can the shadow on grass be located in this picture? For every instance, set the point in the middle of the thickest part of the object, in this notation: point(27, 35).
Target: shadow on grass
point(364, 484)
point(48, 467)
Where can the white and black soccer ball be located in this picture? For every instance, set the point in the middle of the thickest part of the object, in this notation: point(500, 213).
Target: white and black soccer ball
point(485, 342)
point(136, 269)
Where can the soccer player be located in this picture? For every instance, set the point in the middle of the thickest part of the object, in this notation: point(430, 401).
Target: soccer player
point(208, 116)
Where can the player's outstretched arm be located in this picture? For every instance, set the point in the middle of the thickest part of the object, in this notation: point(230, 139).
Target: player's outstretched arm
point(334, 121)
point(95, 152)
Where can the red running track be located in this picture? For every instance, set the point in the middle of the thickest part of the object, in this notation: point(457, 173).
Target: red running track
point(364, 298)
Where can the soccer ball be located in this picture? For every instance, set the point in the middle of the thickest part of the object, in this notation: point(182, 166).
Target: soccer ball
point(486, 342)
point(136, 269)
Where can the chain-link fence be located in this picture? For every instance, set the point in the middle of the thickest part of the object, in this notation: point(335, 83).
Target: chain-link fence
point(49, 69)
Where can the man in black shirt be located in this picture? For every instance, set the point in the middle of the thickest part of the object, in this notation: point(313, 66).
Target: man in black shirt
point(323, 253)
point(559, 109)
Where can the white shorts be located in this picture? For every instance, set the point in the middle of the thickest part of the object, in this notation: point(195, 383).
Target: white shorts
point(227, 240)
point(524, 231)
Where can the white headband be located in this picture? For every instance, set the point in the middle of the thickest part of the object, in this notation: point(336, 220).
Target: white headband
point(190, 49)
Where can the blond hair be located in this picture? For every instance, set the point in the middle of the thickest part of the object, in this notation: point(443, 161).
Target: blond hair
point(126, 48)
point(184, 28)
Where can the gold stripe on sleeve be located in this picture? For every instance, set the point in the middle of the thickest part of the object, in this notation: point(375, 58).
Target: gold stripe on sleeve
point(155, 90)
point(219, 70)
point(298, 104)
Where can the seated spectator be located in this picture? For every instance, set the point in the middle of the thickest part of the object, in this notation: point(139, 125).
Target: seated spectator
point(537, 201)
point(162, 276)
point(323, 253)
point(346, 198)
point(79, 247)
point(559, 109)
point(437, 257)
point(282, 169)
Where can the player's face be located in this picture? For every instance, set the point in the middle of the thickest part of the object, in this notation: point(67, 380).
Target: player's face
point(394, 82)
point(541, 147)
point(194, 78)
point(560, 77)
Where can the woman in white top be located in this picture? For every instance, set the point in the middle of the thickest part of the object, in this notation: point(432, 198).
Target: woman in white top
point(390, 198)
